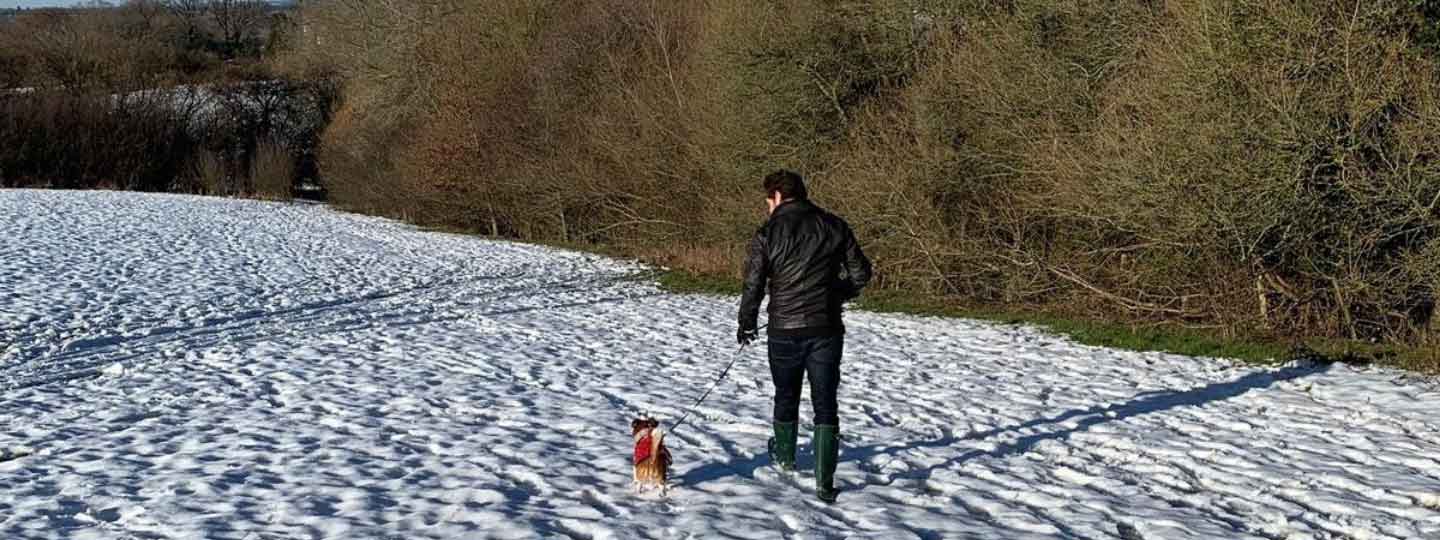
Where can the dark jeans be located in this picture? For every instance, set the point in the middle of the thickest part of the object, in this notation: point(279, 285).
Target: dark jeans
point(791, 359)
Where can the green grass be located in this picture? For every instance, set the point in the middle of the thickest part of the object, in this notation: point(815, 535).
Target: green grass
point(1089, 332)
point(1170, 339)
point(688, 282)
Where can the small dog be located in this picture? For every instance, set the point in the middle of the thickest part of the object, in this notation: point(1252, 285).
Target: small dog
point(652, 459)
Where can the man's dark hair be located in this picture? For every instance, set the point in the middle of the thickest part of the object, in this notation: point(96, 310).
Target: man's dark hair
point(789, 184)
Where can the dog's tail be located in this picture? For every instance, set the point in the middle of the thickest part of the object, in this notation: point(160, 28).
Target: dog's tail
point(662, 456)
point(658, 449)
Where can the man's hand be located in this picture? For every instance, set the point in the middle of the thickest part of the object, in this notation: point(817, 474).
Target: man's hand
point(746, 335)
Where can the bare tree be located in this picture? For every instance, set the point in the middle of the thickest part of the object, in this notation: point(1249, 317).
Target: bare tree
point(234, 20)
point(148, 12)
point(191, 14)
point(188, 10)
point(237, 20)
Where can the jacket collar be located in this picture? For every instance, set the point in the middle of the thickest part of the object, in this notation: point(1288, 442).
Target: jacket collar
point(789, 205)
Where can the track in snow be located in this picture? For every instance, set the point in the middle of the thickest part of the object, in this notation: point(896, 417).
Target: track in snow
point(182, 367)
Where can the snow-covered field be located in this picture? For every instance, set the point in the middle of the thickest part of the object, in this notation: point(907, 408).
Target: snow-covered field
point(180, 367)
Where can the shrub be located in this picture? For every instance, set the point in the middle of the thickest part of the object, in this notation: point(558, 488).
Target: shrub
point(272, 171)
point(210, 174)
point(189, 139)
point(1257, 167)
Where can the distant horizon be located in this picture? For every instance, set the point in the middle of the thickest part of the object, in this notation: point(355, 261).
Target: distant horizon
point(29, 4)
point(12, 4)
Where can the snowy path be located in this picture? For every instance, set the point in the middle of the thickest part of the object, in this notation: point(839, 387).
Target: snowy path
point(182, 367)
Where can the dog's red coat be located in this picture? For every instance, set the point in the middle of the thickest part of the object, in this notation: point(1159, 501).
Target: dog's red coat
point(642, 448)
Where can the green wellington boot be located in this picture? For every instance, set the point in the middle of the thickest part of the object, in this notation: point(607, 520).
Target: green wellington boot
point(827, 453)
point(782, 445)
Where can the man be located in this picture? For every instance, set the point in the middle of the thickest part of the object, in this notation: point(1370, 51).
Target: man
point(812, 264)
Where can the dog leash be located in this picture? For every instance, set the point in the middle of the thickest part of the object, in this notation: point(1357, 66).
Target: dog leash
point(723, 373)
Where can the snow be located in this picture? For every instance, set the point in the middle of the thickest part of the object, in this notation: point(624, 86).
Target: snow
point(183, 367)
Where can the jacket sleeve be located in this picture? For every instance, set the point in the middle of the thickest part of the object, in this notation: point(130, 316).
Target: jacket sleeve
point(857, 266)
point(757, 271)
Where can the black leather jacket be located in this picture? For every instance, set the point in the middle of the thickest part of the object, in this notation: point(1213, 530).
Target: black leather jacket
point(812, 264)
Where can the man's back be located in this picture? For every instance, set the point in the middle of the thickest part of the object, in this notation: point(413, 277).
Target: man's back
point(811, 263)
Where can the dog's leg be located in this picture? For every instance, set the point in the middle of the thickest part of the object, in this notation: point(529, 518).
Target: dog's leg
point(662, 470)
point(657, 447)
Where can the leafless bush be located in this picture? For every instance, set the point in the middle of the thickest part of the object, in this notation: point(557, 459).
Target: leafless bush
point(272, 171)
point(186, 139)
point(211, 175)
point(1241, 165)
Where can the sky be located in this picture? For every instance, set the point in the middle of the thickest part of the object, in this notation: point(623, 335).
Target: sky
point(7, 4)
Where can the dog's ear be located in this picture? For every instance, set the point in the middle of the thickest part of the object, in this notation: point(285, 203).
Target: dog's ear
point(635, 425)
